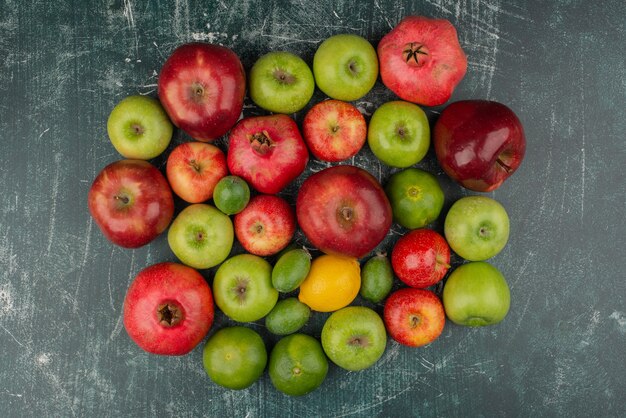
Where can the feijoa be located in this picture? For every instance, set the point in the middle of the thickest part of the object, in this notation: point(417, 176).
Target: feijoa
point(287, 317)
point(376, 278)
point(291, 269)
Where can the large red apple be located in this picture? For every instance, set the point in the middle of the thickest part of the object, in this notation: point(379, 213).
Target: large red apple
point(414, 317)
point(343, 210)
point(202, 87)
point(421, 60)
point(421, 258)
point(168, 309)
point(479, 143)
point(131, 202)
point(266, 225)
point(267, 151)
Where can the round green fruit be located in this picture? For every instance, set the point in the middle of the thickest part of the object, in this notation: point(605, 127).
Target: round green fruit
point(297, 365)
point(291, 269)
point(376, 278)
point(416, 197)
point(399, 134)
point(231, 195)
point(476, 294)
point(235, 357)
point(287, 317)
point(477, 227)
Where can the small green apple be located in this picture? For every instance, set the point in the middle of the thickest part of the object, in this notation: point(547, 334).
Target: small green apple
point(354, 337)
point(345, 67)
point(477, 227)
point(399, 134)
point(476, 294)
point(201, 236)
point(139, 128)
point(242, 288)
point(281, 82)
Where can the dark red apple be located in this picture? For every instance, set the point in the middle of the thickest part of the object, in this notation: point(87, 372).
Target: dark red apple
point(266, 225)
point(168, 309)
point(421, 60)
point(267, 151)
point(479, 143)
point(414, 317)
point(343, 210)
point(421, 258)
point(334, 130)
point(202, 87)
point(131, 202)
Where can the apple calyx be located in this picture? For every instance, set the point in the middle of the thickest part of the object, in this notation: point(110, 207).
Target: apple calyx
point(197, 92)
point(411, 53)
point(169, 314)
point(137, 129)
point(359, 340)
point(345, 215)
point(240, 289)
point(414, 320)
point(284, 77)
point(261, 142)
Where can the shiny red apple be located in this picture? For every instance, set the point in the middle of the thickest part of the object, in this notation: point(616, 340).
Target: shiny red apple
point(479, 143)
point(168, 309)
point(343, 210)
point(201, 87)
point(414, 317)
point(131, 202)
point(421, 258)
point(267, 151)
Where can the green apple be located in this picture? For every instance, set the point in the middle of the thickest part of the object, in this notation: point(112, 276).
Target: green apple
point(235, 357)
point(139, 128)
point(399, 134)
point(281, 82)
point(416, 197)
point(477, 227)
point(345, 67)
point(476, 294)
point(242, 288)
point(354, 337)
point(201, 236)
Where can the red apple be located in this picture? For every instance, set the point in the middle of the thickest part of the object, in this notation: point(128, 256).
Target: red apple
point(202, 87)
point(479, 143)
point(343, 210)
point(131, 202)
point(414, 317)
point(168, 309)
point(421, 60)
point(267, 151)
point(193, 170)
point(334, 130)
point(421, 258)
point(266, 225)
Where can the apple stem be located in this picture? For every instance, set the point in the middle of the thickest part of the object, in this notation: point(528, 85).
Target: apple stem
point(505, 167)
point(194, 164)
point(123, 199)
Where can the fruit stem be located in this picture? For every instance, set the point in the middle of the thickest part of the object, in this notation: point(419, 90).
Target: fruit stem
point(194, 164)
point(505, 167)
point(123, 199)
point(261, 142)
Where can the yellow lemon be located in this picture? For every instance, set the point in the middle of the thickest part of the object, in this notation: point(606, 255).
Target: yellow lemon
point(332, 283)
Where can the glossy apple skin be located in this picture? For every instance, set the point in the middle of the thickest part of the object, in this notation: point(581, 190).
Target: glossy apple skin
point(414, 317)
point(158, 291)
point(266, 225)
point(479, 143)
point(193, 170)
point(131, 202)
point(201, 87)
point(435, 65)
point(334, 130)
point(343, 210)
point(267, 151)
point(421, 258)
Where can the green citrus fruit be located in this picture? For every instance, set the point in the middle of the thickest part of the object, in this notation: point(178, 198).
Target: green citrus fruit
point(231, 195)
point(415, 196)
point(297, 365)
point(235, 357)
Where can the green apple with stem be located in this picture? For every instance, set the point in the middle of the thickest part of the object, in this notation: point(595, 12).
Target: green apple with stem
point(476, 294)
point(345, 67)
point(399, 134)
point(201, 236)
point(477, 227)
point(354, 337)
point(243, 289)
point(281, 82)
point(139, 128)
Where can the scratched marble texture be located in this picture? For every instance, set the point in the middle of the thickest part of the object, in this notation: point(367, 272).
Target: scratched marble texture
point(560, 352)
